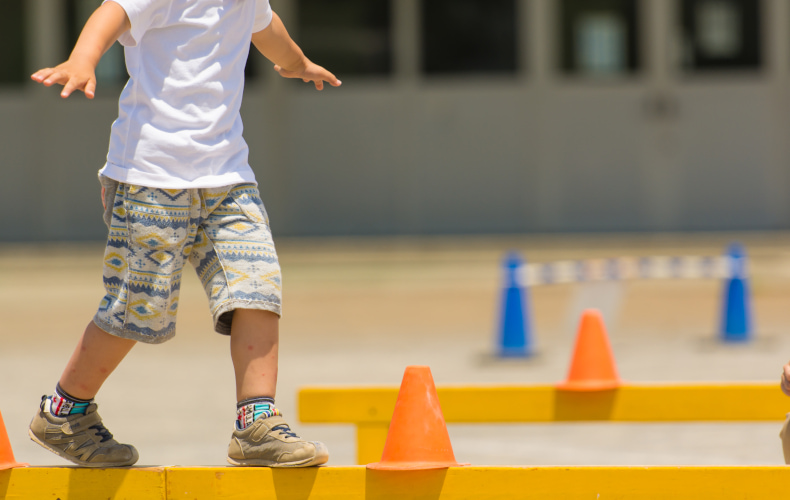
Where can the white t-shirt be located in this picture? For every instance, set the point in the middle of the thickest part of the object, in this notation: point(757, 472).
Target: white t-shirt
point(178, 124)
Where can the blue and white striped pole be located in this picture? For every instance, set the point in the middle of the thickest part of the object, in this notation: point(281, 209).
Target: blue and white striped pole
point(515, 328)
point(736, 325)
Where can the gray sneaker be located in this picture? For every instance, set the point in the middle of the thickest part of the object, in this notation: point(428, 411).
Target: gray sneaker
point(269, 442)
point(80, 438)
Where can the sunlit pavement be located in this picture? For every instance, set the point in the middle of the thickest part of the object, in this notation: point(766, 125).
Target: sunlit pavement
point(357, 312)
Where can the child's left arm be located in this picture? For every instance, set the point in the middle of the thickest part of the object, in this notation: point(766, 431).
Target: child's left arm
point(785, 381)
point(289, 60)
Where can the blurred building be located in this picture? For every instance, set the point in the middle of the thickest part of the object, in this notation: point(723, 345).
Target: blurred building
point(456, 116)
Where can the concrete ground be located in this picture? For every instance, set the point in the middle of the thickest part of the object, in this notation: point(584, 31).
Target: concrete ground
point(358, 311)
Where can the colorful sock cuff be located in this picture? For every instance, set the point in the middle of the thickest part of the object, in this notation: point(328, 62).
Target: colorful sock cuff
point(259, 400)
point(64, 403)
point(250, 410)
point(60, 392)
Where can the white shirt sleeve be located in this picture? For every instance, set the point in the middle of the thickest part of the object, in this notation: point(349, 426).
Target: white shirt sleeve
point(143, 15)
point(263, 15)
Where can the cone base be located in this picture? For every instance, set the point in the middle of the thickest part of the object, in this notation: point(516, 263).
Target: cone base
point(412, 465)
point(514, 353)
point(736, 337)
point(589, 385)
point(12, 465)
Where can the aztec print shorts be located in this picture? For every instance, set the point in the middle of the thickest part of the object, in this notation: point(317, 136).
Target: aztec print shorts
point(223, 232)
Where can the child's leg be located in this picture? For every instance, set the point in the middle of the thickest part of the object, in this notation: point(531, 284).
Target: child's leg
point(67, 422)
point(236, 262)
point(149, 232)
point(254, 342)
point(96, 356)
point(263, 438)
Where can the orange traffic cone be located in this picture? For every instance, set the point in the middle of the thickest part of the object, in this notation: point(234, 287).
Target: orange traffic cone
point(7, 460)
point(417, 436)
point(592, 367)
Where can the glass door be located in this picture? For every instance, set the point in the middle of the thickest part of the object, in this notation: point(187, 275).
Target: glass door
point(725, 91)
point(592, 114)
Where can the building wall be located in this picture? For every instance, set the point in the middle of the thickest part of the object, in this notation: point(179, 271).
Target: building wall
point(405, 154)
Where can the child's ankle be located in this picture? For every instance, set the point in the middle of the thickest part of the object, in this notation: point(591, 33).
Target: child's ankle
point(64, 404)
point(250, 410)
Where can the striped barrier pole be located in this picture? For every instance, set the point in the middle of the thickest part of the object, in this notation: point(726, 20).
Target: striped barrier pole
point(515, 335)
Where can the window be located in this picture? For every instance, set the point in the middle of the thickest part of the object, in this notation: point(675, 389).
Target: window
point(469, 36)
point(721, 34)
point(12, 41)
point(349, 37)
point(599, 38)
point(111, 68)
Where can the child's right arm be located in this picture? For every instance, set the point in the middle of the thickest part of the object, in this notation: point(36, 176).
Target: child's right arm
point(785, 385)
point(276, 44)
point(103, 28)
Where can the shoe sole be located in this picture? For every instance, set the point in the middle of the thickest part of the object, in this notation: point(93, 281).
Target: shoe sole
point(268, 463)
point(77, 461)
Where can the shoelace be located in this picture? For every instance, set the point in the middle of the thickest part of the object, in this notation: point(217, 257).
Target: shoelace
point(285, 430)
point(102, 432)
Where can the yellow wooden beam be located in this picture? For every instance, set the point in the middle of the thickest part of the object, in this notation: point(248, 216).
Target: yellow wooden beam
point(370, 409)
point(630, 403)
point(358, 483)
point(506, 483)
point(73, 483)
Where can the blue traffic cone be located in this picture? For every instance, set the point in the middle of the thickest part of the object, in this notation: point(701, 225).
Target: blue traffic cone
point(515, 330)
point(737, 312)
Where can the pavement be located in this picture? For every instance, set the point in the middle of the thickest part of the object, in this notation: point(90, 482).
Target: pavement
point(358, 311)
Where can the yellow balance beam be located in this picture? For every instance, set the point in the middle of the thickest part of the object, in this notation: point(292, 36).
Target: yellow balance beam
point(370, 409)
point(358, 483)
point(71, 483)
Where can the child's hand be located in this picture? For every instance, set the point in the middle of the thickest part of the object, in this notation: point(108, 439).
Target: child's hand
point(786, 379)
point(72, 75)
point(310, 72)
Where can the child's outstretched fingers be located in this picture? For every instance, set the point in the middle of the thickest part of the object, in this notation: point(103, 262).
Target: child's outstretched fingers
point(40, 75)
point(47, 76)
point(311, 73)
point(71, 76)
point(330, 79)
point(87, 87)
point(324, 76)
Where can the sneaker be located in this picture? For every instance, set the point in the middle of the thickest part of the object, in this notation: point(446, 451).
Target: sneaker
point(80, 438)
point(269, 442)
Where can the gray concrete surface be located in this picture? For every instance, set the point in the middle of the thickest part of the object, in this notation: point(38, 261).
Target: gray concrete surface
point(357, 312)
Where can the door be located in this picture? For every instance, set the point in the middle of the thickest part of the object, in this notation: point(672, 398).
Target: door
point(592, 113)
point(728, 131)
point(666, 115)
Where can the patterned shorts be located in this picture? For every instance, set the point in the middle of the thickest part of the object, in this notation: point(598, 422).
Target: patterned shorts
point(223, 232)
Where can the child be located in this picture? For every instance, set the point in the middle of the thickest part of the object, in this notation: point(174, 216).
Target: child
point(177, 187)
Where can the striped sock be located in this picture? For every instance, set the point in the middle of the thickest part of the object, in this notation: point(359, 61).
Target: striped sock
point(250, 410)
point(65, 404)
